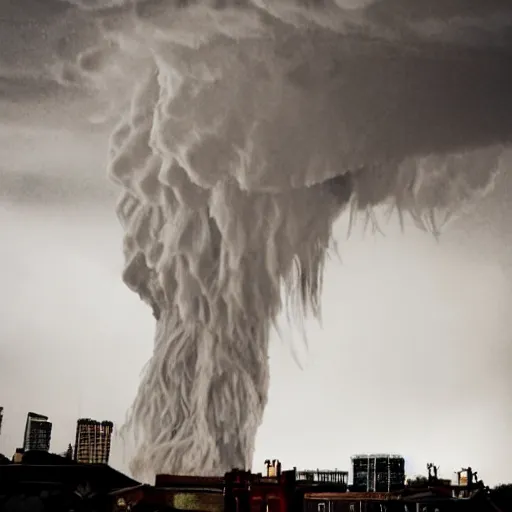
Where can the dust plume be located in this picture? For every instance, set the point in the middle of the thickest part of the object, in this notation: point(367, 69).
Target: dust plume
point(251, 126)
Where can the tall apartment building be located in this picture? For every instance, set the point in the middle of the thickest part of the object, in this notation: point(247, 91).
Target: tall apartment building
point(378, 473)
point(92, 444)
point(38, 433)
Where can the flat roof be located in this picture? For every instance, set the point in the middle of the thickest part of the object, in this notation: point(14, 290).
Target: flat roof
point(377, 456)
point(189, 481)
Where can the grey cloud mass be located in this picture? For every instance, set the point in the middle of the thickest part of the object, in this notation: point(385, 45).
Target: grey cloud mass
point(415, 333)
point(38, 188)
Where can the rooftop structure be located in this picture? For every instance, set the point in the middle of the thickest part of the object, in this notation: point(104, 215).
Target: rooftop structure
point(322, 476)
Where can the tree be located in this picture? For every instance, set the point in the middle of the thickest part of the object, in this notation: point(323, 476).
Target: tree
point(501, 495)
point(418, 481)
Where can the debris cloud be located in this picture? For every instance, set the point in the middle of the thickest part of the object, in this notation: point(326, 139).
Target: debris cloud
point(251, 126)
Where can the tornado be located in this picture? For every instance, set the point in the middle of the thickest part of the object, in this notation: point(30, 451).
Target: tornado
point(250, 127)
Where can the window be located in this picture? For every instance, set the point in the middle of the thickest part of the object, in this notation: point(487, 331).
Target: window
point(321, 507)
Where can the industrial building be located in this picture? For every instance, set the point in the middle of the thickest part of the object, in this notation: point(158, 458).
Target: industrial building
point(38, 433)
point(378, 473)
point(93, 439)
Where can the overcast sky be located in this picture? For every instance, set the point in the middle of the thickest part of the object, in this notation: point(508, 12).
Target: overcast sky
point(413, 356)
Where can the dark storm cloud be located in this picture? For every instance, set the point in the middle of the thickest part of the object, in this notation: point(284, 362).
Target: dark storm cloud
point(35, 36)
point(437, 9)
point(20, 89)
point(436, 99)
point(32, 28)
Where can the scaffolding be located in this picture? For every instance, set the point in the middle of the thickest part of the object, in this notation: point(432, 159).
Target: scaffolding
point(322, 476)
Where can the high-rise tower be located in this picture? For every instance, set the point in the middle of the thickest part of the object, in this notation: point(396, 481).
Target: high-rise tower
point(38, 432)
point(92, 445)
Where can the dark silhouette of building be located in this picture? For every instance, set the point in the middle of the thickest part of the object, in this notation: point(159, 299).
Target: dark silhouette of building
point(378, 473)
point(92, 445)
point(38, 433)
point(281, 491)
point(43, 458)
point(60, 483)
point(1, 418)
point(97, 488)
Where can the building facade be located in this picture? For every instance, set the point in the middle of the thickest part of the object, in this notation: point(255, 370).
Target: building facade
point(92, 444)
point(38, 432)
point(378, 473)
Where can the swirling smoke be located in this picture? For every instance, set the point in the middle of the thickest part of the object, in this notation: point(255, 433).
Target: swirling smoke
point(254, 124)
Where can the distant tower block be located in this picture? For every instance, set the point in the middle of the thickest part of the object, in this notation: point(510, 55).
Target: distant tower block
point(92, 445)
point(378, 473)
point(38, 433)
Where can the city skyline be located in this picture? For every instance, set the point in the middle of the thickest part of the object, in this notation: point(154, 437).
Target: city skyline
point(369, 472)
point(93, 444)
